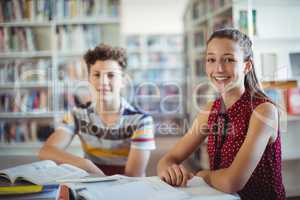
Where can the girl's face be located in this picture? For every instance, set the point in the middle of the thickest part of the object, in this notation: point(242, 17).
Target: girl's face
point(106, 78)
point(225, 66)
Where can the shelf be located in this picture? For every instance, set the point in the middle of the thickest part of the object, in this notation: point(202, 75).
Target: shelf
point(97, 20)
point(290, 154)
point(28, 115)
point(199, 50)
point(284, 84)
point(293, 118)
point(153, 68)
point(26, 24)
point(206, 17)
point(164, 50)
point(25, 85)
point(275, 39)
point(21, 145)
point(70, 53)
point(222, 10)
point(35, 54)
point(32, 148)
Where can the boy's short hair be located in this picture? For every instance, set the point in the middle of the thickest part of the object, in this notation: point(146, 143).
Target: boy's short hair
point(105, 52)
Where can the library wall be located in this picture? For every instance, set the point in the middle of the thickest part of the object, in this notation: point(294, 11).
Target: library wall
point(152, 17)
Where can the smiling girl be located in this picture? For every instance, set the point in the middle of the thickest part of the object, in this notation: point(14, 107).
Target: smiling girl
point(241, 127)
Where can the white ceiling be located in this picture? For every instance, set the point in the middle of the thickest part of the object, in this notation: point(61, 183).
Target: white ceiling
point(152, 16)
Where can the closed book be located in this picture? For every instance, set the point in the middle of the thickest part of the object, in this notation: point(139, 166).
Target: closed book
point(23, 187)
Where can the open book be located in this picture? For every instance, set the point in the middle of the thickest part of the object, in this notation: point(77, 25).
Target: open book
point(133, 188)
point(44, 172)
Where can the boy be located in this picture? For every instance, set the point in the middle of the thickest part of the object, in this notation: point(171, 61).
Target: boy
point(116, 138)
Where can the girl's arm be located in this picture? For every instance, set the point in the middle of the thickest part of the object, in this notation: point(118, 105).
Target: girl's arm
point(262, 130)
point(169, 168)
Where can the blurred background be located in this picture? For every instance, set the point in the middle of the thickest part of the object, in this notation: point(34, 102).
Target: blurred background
point(41, 66)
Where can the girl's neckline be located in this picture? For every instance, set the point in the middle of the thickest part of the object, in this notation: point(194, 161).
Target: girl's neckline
point(222, 107)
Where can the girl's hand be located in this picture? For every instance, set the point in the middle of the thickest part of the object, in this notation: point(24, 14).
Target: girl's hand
point(176, 175)
point(202, 173)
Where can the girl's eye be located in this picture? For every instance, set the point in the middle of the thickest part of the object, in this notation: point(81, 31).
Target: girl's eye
point(210, 60)
point(97, 75)
point(229, 60)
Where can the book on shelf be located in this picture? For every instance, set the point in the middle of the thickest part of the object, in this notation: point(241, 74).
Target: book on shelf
point(25, 101)
point(134, 60)
point(67, 9)
point(277, 96)
point(133, 42)
point(113, 9)
point(17, 39)
point(72, 69)
point(199, 9)
point(295, 63)
point(223, 22)
point(24, 131)
point(200, 38)
point(293, 101)
point(70, 37)
point(200, 67)
point(243, 21)
point(154, 42)
point(22, 10)
point(269, 66)
point(174, 43)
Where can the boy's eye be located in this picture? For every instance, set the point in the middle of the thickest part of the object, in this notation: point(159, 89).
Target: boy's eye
point(110, 75)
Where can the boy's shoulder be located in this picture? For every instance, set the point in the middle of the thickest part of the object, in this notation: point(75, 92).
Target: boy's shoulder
point(134, 113)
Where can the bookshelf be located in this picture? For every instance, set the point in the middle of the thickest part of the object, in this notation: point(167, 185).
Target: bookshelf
point(157, 75)
point(41, 48)
point(274, 30)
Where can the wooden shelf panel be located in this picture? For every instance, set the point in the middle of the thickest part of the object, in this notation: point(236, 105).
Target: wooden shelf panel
point(285, 84)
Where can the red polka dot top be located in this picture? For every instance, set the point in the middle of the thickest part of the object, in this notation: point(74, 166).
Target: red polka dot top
point(266, 180)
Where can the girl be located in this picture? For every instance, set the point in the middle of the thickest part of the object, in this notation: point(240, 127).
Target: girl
point(243, 145)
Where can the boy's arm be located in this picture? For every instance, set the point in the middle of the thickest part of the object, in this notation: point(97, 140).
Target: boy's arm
point(54, 149)
point(137, 162)
point(142, 142)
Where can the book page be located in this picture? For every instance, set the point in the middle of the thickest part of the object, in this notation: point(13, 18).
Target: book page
point(198, 189)
point(44, 172)
point(27, 170)
point(133, 189)
point(50, 175)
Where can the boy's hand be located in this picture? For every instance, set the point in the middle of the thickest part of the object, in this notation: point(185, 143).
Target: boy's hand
point(92, 168)
point(176, 175)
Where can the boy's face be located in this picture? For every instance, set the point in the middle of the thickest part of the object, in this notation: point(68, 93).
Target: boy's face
point(106, 78)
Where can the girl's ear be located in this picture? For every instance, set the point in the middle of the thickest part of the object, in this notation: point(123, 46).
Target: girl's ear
point(248, 66)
